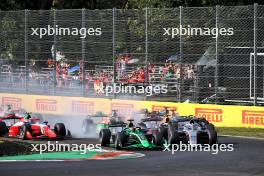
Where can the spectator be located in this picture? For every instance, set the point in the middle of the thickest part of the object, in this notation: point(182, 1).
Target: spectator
point(123, 66)
point(170, 71)
point(190, 72)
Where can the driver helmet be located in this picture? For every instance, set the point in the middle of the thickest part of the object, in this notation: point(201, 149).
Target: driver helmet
point(167, 120)
point(130, 125)
point(27, 116)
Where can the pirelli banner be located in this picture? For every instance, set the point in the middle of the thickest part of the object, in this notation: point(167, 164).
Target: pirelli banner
point(219, 115)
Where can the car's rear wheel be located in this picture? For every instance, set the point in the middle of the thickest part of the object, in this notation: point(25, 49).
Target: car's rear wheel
point(3, 129)
point(104, 137)
point(59, 129)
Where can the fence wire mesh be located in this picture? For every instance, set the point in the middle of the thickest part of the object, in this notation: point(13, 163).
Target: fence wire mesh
point(77, 52)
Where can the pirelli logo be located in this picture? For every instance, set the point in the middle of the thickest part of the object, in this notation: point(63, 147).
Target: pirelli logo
point(16, 103)
point(46, 105)
point(253, 117)
point(125, 110)
point(212, 115)
point(83, 107)
point(160, 108)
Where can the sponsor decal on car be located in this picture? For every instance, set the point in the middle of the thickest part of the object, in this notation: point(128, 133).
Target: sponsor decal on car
point(253, 117)
point(212, 115)
point(83, 107)
point(14, 102)
point(46, 105)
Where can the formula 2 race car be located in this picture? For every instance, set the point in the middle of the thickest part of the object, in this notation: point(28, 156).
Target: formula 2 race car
point(27, 127)
point(98, 121)
point(156, 123)
point(191, 129)
point(174, 128)
point(153, 125)
point(126, 136)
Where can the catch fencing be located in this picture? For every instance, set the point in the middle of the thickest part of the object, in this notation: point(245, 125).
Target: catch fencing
point(201, 54)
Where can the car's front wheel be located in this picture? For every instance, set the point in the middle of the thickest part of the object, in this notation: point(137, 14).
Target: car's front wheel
point(173, 136)
point(23, 131)
point(158, 139)
point(212, 134)
point(120, 141)
point(3, 129)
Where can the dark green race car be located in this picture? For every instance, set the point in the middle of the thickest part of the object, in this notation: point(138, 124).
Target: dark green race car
point(127, 136)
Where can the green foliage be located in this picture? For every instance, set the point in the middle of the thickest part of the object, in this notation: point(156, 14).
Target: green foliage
point(12, 4)
point(120, 4)
point(140, 4)
point(10, 44)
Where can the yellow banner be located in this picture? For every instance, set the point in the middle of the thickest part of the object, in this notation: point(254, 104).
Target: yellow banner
point(219, 115)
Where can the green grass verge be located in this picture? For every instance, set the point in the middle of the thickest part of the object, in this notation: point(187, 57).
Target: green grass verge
point(52, 156)
point(248, 132)
point(8, 148)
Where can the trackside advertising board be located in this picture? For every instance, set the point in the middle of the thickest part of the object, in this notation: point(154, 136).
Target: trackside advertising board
point(219, 115)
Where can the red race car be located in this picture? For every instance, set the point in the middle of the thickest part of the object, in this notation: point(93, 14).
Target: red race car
point(27, 127)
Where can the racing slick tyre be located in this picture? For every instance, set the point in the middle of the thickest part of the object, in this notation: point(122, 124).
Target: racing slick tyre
point(104, 137)
point(59, 129)
point(164, 131)
point(173, 136)
point(23, 131)
point(3, 129)
point(212, 135)
point(120, 141)
point(87, 125)
point(158, 139)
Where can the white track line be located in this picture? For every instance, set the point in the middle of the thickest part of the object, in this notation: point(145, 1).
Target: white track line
point(245, 137)
point(28, 160)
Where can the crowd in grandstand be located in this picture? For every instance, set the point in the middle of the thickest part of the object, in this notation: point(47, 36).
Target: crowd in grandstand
point(128, 71)
point(171, 70)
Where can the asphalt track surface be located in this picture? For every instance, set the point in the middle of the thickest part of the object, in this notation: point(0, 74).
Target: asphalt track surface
point(246, 159)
